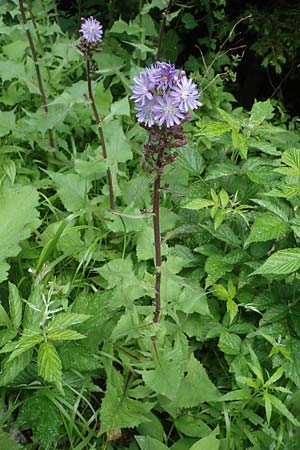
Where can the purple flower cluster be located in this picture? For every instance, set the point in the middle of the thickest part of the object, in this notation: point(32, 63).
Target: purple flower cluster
point(164, 95)
point(91, 30)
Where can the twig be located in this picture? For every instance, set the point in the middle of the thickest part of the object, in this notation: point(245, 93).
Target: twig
point(162, 29)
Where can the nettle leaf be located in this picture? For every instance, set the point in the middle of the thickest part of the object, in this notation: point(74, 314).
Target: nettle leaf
point(49, 364)
point(190, 159)
point(266, 227)
point(232, 121)
point(199, 203)
point(195, 387)
point(23, 344)
point(119, 410)
point(230, 343)
point(121, 107)
point(7, 442)
point(213, 128)
point(192, 425)
point(64, 335)
point(209, 442)
point(282, 262)
point(40, 414)
point(277, 206)
point(19, 217)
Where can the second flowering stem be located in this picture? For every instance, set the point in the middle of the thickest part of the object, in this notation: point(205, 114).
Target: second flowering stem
point(100, 130)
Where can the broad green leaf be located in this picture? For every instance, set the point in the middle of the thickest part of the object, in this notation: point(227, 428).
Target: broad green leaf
point(282, 262)
point(8, 443)
point(49, 364)
point(195, 387)
point(10, 70)
point(41, 415)
point(149, 443)
point(166, 377)
point(15, 305)
point(118, 410)
point(11, 369)
point(192, 425)
point(268, 405)
point(240, 143)
point(232, 121)
point(291, 157)
point(266, 227)
point(278, 206)
point(72, 190)
point(160, 4)
point(7, 122)
point(118, 148)
point(209, 442)
point(119, 26)
point(19, 217)
point(62, 321)
point(215, 128)
point(259, 112)
point(64, 335)
point(21, 345)
point(4, 318)
point(230, 343)
point(121, 107)
point(190, 158)
point(199, 203)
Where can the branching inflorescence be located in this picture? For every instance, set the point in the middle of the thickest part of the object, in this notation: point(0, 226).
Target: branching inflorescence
point(163, 98)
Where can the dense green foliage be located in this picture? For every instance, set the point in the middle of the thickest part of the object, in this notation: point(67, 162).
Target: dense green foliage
point(83, 365)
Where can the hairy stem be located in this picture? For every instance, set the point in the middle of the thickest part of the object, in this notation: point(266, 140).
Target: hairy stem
point(162, 29)
point(37, 68)
point(100, 131)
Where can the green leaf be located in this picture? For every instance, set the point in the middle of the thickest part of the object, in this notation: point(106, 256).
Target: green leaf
point(165, 379)
point(282, 409)
point(64, 335)
point(4, 318)
point(195, 387)
point(268, 405)
point(7, 442)
point(40, 414)
point(282, 262)
point(239, 394)
point(192, 425)
point(118, 410)
point(240, 143)
point(7, 122)
point(149, 443)
point(17, 221)
point(72, 190)
point(259, 112)
point(199, 203)
point(10, 70)
point(230, 343)
point(232, 121)
point(190, 158)
point(11, 369)
point(121, 107)
point(49, 364)
point(22, 345)
point(266, 227)
point(15, 305)
point(65, 320)
point(209, 442)
point(118, 148)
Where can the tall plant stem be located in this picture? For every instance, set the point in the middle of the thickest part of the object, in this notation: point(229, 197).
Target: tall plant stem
point(100, 130)
point(37, 68)
point(162, 29)
point(157, 238)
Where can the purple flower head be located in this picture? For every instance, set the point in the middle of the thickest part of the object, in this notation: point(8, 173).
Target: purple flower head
point(145, 113)
point(142, 90)
point(167, 112)
point(91, 30)
point(163, 96)
point(162, 74)
point(185, 94)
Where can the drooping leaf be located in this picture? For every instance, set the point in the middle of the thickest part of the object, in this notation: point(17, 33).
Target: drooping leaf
point(195, 387)
point(209, 442)
point(49, 364)
point(18, 219)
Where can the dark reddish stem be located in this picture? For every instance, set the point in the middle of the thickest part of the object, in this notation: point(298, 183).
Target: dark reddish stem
point(100, 130)
point(37, 68)
point(157, 237)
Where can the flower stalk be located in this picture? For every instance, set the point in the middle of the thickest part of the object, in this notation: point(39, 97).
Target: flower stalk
point(91, 31)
